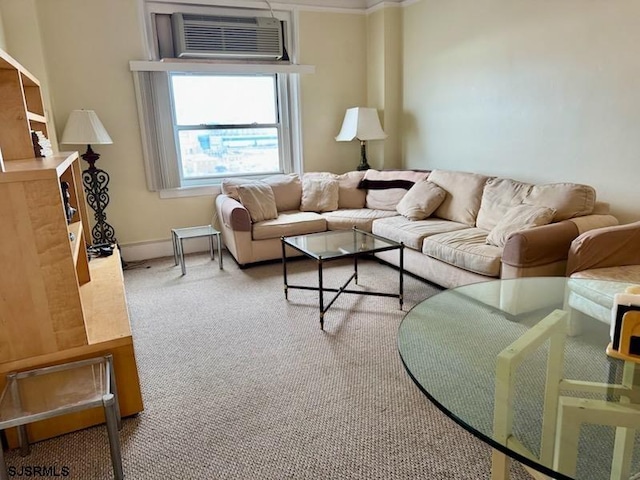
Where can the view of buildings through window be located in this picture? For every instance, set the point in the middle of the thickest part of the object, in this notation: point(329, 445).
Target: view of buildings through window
point(226, 124)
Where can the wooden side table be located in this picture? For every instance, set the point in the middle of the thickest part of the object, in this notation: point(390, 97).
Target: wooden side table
point(179, 234)
point(49, 392)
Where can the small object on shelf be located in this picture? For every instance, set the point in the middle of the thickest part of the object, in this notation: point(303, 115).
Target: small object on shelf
point(100, 250)
point(37, 151)
point(69, 211)
point(625, 325)
point(41, 145)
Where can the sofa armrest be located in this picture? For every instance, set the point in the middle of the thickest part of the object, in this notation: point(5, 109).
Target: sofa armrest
point(605, 247)
point(549, 243)
point(233, 214)
point(539, 245)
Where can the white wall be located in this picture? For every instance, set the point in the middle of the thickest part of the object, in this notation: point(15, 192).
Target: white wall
point(538, 91)
point(336, 44)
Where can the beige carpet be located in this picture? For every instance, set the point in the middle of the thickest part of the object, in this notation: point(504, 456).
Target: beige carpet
point(239, 383)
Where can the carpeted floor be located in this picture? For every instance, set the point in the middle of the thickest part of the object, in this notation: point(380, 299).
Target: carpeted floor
point(238, 383)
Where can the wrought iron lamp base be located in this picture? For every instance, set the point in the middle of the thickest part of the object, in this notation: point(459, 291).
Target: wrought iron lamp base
point(96, 187)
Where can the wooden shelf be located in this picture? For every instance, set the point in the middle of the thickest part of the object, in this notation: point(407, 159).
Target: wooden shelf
point(34, 117)
point(41, 168)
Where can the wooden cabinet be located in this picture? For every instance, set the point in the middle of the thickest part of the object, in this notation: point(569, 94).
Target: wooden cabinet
point(55, 305)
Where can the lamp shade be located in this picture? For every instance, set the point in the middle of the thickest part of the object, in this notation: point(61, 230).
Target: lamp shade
point(84, 127)
point(361, 123)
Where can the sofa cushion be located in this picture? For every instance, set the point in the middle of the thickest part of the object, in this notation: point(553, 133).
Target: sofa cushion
point(464, 192)
point(258, 199)
point(517, 218)
point(421, 200)
point(349, 195)
point(319, 194)
point(229, 186)
point(568, 199)
point(413, 232)
point(289, 223)
point(386, 188)
point(361, 218)
point(287, 190)
point(465, 249)
point(593, 294)
point(498, 196)
point(628, 274)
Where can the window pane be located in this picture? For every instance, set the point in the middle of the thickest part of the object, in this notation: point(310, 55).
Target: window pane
point(209, 153)
point(224, 99)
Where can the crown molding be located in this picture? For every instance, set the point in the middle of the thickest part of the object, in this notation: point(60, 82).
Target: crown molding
point(337, 5)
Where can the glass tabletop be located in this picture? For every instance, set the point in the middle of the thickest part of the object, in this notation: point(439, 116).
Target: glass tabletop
point(450, 344)
point(47, 392)
point(340, 243)
point(193, 232)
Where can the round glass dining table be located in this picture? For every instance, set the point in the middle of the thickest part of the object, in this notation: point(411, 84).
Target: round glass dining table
point(520, 365)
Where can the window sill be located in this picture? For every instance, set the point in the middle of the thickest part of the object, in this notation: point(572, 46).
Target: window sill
point(181, 192)
point(215, 67)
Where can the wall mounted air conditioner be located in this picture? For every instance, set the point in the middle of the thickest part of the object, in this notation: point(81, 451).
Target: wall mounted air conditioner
point(219, 36)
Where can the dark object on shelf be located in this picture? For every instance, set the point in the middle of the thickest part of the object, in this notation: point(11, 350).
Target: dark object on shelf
point(37, 151)
point(100, 250)
point(69, 211)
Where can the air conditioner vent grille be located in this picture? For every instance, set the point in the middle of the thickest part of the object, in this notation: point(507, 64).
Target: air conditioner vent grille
point(237, 40)
point(215, 36)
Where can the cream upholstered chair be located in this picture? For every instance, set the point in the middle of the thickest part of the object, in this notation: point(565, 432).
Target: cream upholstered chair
point(610, 254)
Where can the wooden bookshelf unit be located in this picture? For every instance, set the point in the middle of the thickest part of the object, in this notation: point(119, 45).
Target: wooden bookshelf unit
point(56, 306)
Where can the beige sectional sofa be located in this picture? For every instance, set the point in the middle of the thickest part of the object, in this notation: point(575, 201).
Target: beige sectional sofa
point(476, 227)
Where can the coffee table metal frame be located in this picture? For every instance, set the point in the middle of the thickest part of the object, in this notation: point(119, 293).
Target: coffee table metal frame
point(362, 244)
point(179, 234)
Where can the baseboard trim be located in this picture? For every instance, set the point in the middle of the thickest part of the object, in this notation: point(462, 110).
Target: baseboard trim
point(135, 252)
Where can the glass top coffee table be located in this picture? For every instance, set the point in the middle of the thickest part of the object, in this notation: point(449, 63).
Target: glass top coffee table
point(334, 245)
point(554, 402)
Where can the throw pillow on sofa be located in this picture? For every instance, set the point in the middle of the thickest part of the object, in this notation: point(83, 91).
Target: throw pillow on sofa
point(421, 200)
point(520, 217)
point(387, 187)
point(319, 194)
point(259, 200)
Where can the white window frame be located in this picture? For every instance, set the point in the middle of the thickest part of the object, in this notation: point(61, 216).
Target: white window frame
point(285, 164)
point(290, 141)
